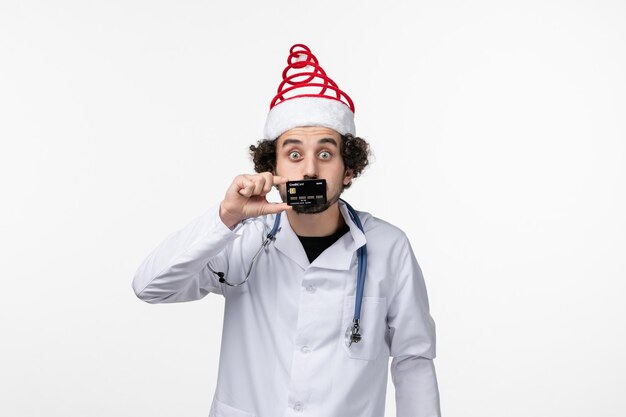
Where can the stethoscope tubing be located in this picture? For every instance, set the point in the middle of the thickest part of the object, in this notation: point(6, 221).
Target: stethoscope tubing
point(353, 332)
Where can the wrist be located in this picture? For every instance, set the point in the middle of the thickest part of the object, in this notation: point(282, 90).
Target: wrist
point(228, 218)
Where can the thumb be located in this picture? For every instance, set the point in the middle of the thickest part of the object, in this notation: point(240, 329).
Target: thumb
point(275, 208)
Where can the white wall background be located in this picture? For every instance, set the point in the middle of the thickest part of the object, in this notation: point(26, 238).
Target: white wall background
point(120, 121)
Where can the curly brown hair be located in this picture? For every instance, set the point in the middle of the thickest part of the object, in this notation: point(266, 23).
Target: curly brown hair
point(354, 151)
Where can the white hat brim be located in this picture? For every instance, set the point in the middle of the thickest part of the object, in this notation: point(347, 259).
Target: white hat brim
point(309, 111)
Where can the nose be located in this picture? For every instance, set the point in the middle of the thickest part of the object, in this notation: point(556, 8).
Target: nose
point(310, 167)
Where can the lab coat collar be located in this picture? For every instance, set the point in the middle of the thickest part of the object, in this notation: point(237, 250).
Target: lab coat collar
point(339, 256)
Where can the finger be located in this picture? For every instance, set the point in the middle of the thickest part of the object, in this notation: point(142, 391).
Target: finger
point(279, 180)
point(242, 181)
point(269, 180)
point(259, 184)
point(268, 176)
point(266, 189)
point(247, 189)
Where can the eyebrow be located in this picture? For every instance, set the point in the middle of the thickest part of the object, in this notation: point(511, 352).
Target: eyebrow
point(299, 142)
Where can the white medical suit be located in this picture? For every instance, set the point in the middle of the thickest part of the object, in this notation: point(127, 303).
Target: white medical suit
point(283, 347)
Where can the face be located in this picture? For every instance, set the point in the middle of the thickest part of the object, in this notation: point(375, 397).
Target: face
point(312, 152)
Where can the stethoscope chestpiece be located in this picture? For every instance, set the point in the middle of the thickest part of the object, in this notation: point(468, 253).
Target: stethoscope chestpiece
point(352, 333)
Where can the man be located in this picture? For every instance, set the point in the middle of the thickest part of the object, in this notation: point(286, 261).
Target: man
point(301, 335)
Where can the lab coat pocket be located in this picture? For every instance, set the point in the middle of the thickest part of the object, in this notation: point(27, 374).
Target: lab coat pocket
point(220, 409)
point(372, 323)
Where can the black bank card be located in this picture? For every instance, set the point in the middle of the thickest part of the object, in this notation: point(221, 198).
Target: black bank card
point(306, 192)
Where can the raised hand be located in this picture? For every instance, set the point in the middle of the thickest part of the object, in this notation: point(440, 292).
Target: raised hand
point(245, 198)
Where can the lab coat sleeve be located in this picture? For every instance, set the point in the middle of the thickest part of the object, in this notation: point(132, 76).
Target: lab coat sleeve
point(176, 270)
point(412, 341)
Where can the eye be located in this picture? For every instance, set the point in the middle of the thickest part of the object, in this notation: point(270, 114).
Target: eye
point(294, 155)
point(325, 155)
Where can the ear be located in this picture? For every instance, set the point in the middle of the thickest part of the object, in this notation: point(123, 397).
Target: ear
point(348, 176)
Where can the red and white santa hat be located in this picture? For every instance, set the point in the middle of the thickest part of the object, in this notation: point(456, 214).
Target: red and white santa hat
point(308, 97)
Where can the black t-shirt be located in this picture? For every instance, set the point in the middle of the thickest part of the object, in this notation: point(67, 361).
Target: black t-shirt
point(314, 246)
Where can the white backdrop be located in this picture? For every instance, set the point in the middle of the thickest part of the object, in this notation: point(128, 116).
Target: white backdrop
point(500, 148)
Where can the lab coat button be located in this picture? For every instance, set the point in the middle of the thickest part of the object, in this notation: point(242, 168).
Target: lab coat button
point(298, 407)
point(311, 288)
point(305, 349)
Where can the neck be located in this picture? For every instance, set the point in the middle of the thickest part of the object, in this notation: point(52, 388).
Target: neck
point(318, 224)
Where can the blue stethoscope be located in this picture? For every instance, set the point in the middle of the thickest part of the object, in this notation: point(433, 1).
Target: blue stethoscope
point(352, 333)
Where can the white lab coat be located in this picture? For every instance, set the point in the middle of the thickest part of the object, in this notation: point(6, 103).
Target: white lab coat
point(283, 351)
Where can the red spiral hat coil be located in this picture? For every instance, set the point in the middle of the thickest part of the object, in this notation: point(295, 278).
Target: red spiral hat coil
point(300, 57)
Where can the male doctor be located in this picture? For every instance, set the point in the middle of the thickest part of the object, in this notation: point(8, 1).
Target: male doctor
point(305, 332)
